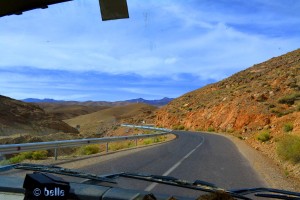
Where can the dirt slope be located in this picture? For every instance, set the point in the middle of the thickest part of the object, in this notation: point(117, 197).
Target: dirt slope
point(17, 117)
point(64, 111)
point(104, 122)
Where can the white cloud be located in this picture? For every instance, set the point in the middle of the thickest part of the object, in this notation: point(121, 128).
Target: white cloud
point(170, 60)
point(161, 39)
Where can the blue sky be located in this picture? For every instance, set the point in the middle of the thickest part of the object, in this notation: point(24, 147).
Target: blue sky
point(165, 49)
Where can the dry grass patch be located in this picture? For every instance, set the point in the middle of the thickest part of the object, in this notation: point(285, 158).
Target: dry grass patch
point(33, 155)
point(288, 127)
point(288, 148)
point(264, 136)
point(89, 149)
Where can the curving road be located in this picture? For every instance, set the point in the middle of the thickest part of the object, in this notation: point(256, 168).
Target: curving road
point(192, 156)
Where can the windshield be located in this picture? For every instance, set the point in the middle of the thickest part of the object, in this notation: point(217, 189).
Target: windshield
point(221, 79)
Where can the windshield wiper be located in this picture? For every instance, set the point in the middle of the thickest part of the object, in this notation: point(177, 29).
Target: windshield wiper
point(209, 187)
point(279, 194)
point(58, 170)
point(168, 180)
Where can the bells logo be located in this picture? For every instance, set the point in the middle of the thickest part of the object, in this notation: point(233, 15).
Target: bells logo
point(56, 192)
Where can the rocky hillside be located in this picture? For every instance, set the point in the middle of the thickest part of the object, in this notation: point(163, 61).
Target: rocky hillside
point(264, 96)
point(17, 117)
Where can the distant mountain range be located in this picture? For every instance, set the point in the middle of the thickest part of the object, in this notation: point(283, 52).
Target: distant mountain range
point(33, 100)
point(160, 102)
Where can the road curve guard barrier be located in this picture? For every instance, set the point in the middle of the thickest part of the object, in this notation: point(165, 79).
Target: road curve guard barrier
point(17, 148)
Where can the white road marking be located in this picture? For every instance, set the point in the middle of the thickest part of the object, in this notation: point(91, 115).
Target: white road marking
point(152, 185)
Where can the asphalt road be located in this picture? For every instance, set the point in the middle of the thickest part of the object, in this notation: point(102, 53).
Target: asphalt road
point(192, 156)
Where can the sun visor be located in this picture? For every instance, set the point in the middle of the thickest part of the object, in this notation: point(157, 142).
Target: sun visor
point(113, 9)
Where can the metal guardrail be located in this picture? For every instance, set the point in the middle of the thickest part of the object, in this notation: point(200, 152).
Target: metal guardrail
point(147, 127)
point(17, 148)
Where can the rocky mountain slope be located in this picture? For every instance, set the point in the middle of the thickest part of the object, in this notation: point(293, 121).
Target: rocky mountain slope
point(17, 117)
point(264, 96)
point(260, 105)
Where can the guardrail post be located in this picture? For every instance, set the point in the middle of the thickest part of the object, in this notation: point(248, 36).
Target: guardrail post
point(136, 141)
point(55, 153)
point(2, 157)
point(106, 147)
